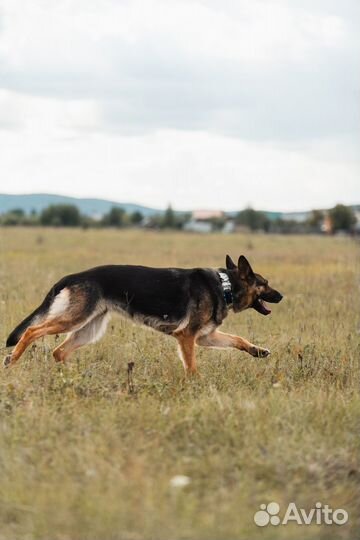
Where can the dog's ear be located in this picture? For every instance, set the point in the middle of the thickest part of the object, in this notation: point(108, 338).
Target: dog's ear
point(245, 269)
point(230, 265)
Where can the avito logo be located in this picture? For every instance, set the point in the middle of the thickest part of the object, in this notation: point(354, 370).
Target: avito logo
point(320, 515)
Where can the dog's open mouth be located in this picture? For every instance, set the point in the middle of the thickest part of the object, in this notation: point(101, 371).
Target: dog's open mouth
point(261, 307)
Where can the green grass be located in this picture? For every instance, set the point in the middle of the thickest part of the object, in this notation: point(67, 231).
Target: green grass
point(82, 458)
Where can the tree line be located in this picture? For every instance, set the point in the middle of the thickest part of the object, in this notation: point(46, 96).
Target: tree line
point(340, 218)
point(69, 215)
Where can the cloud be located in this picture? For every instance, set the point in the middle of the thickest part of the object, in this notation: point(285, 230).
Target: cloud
point(189, 169)
point(202, 103)
point(252, 69)
point(46, 116)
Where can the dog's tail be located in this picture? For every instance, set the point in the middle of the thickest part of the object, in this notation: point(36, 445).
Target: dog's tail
point(34, 317)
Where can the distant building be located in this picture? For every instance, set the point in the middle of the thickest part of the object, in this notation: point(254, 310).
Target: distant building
point(357, 216)
point(198, 226)
point(204, 221)
point(229, 227)
point(299, 217)
point(205, 215)
point(326, 226)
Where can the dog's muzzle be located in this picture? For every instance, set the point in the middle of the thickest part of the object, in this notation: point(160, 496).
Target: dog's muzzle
point(274, 297)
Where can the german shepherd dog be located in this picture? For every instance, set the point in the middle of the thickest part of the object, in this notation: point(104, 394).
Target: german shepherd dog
point(188, 304)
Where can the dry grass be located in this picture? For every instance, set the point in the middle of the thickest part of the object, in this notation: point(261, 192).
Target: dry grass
point(83, 459)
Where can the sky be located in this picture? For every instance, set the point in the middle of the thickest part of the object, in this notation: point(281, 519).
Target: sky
point(197, 103)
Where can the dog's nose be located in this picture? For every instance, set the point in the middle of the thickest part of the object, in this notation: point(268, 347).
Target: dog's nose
point(280, 297)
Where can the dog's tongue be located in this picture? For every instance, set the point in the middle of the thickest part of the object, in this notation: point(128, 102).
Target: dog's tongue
point(265, 307)
point(261, 307)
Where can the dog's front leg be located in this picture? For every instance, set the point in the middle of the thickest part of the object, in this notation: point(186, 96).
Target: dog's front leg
point(187, 351)
point(221, 340)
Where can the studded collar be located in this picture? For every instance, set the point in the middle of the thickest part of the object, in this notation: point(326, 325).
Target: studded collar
point(226, 287)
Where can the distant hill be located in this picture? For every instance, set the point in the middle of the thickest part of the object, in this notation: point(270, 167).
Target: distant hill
point(99, 207)
point(89, 207)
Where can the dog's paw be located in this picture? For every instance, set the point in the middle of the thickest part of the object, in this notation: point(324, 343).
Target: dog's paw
point(259, 352)
point(7, 361)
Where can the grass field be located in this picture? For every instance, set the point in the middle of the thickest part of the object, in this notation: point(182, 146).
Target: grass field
point(82, 458)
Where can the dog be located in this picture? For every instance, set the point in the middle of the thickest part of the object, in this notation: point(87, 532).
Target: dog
point(188, 304)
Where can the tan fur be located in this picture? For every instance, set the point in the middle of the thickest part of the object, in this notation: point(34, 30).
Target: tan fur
point(186, 342)
point(33, 333)
point(221, 340)
point(69, 320)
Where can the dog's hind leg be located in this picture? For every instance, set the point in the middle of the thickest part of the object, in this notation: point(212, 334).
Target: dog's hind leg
point(35, 332)
point(221, 340)
point(69, 311)
point(90, 333)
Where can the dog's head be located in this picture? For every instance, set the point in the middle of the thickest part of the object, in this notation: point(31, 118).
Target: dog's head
point(250, 290)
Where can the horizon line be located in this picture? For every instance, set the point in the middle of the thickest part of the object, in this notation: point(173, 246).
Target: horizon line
point(92, 198)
